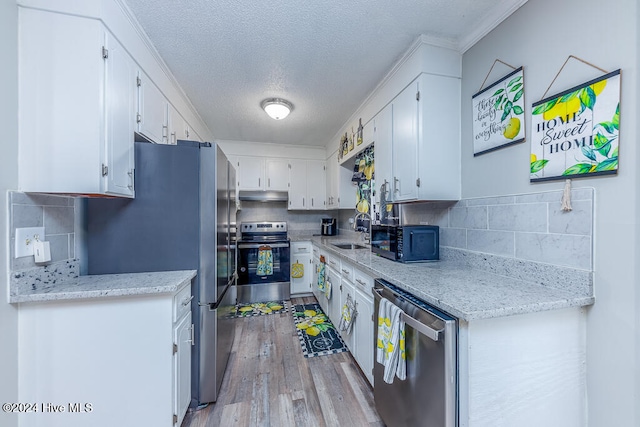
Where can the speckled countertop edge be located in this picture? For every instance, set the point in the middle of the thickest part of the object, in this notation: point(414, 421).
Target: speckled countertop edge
point(462, 291)
point(107, 285)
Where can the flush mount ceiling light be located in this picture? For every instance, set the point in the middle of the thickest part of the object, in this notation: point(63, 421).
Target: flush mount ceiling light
point(276, 108)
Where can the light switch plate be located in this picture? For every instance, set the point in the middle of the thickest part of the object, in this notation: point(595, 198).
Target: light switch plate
point(25, 238)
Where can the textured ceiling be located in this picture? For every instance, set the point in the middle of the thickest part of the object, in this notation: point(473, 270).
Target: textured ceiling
point(324, 56)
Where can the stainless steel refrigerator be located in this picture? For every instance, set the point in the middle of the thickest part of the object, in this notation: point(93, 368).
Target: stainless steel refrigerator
point(179, 220)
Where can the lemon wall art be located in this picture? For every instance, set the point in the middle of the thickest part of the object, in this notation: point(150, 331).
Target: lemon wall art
point(575, 133)
point(498, 114)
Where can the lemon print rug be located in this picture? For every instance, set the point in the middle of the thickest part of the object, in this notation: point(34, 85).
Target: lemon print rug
point(318, 336)
point(260, 308)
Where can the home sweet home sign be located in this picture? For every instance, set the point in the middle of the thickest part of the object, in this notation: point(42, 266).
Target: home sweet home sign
point(575, 133)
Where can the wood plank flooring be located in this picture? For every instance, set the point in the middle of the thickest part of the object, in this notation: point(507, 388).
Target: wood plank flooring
point(270, 383)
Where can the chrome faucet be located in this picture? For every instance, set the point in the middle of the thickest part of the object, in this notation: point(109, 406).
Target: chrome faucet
point(364, 234)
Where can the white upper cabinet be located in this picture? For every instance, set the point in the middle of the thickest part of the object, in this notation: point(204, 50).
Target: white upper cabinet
point(262, 173)
point(405, 144)
point(383, 137)
point(75, 106)
point(277, 174)
point(251, 172)
point(425, 141)
point(298, 185)
point(341, 193)
point(120, 111)
point(307, 189)
point(178, 128)
point(333, 197)
point(439, 138)
point(316, 187)
point(152, 111)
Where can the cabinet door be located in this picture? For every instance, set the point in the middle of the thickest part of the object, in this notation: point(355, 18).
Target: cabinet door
point(364, 333)
point(405, 144)
point(334, 303)
point(332, 180)
point(251, 173)
point(177, 126)
point(384, 153)
point(347, 288)
point(316, 184)
point(152, 110)
point(61, 90)
point(439, 136)
point(277, 174)
point(120, 106)
point(301, 253)
point(182, 366)
point(298, 184)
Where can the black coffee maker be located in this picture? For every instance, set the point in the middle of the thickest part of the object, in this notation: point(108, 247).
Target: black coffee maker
point(329, 227)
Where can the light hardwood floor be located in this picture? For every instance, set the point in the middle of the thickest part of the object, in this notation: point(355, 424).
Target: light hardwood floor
point(270, 383)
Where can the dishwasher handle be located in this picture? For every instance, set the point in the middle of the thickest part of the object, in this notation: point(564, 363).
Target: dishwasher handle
point(433, 334)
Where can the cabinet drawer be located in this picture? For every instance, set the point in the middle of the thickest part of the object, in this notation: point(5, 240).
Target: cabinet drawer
point(346, 271)
point(182, 303)
point(301, 248)
point(333, 262)
point(363, 281)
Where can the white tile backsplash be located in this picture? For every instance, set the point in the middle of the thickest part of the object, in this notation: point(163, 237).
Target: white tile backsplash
point(55, 213)
point(530, 227)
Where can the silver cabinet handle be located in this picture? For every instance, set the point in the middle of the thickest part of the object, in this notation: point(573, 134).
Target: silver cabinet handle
point(258, 182)
point(193, 336)
point(345, 271)
point(361, 282)
point(269, 182)
point(187, 301)
point(396, 181)
point(332, 263)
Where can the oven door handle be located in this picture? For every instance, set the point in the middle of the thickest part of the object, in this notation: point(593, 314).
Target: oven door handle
point(259, 245)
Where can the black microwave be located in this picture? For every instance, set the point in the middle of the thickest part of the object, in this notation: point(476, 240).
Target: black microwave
point(406, 243)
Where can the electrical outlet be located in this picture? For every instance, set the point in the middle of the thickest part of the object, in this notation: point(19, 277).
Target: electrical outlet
point(25, 238)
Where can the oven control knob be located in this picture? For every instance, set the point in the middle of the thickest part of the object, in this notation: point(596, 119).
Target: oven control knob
point(243, 269)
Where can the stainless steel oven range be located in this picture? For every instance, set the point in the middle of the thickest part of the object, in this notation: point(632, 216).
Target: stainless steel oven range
point(263, 262)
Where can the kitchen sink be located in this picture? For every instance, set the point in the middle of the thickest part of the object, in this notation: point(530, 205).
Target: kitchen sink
point(349, 246)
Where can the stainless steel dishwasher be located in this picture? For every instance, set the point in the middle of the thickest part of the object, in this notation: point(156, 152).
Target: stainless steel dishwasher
point(428, 396)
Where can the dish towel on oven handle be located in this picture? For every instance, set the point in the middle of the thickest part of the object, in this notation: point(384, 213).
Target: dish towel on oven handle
point(265, 261)
point(390, 346)
point(349, 314)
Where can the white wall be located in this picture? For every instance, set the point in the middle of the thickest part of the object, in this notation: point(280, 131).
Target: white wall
point(540, 36)
point(8, 181)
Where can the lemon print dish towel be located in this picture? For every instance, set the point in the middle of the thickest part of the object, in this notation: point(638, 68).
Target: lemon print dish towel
point(265, 261)
point(390, 347)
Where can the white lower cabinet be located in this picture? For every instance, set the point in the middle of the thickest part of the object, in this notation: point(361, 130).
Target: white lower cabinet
point(301, 253)
point(346, 279)
point(124, 360)
point(183, 337)
point(334, 304)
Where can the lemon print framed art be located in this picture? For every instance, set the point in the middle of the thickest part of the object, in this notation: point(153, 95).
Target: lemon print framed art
point(498, 114)
point(576, 133)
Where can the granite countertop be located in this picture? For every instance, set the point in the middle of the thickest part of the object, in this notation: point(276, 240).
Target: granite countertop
point(463, 291)
point(105, 285)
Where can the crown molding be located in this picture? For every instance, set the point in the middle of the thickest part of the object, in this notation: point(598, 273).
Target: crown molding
point(493, 18)
point(135, 24)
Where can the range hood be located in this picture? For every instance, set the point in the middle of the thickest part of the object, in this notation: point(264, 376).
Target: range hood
point(264, 196)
